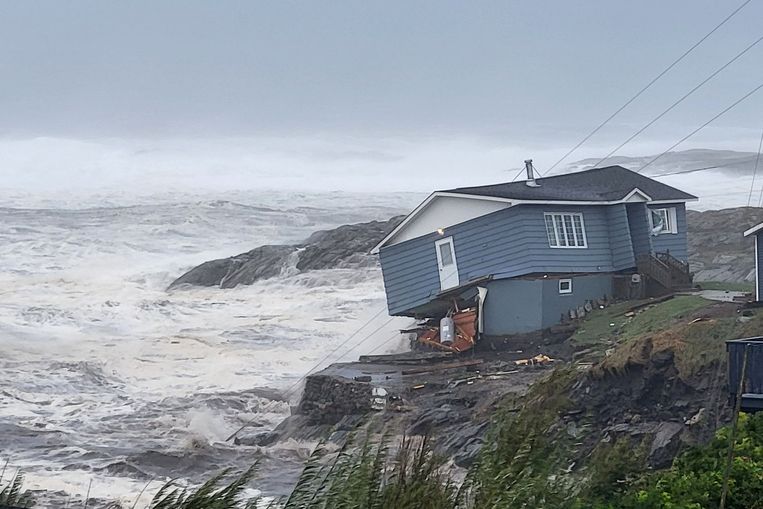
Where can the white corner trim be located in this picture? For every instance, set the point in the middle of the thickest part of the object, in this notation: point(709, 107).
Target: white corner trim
point(754, 229)
point(673, 220)
point(474, 196)
point(404, 222)
point(666, 202)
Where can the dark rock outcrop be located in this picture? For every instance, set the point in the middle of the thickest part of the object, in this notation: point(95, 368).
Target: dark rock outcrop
point(717, 249)
point(345, 246)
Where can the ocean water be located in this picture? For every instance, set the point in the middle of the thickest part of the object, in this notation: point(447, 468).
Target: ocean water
point(108, 382)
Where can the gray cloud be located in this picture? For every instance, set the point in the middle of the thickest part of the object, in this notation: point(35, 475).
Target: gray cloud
point(526, 70)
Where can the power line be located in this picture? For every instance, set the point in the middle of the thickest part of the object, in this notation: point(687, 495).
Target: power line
point(755, 170)
point(396, 335)
point(289, 391)
point(724, 111)
point(680, 100)
point(648, 85)
point(370, 336)
point(518, 174)
point(693, 170)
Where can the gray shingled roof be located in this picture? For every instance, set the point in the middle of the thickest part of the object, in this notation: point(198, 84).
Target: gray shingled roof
point(599, 184)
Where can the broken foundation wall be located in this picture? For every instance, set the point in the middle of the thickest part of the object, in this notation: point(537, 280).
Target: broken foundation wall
point(327, 398)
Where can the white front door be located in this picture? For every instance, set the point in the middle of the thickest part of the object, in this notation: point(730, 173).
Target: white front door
point(446, 262)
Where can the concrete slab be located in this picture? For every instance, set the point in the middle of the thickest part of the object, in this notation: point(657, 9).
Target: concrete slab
point(721, 295)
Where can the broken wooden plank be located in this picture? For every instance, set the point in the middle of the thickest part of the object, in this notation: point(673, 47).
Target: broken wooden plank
point(440, 367)
point(649, 302)
point(405, 358)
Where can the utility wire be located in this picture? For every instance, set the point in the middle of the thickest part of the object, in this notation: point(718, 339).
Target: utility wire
point(648, 85)
point(542, 174)
point(518, 174)
point(704, 168)
point(755, 170)
point(383, 343)
point(721, 113)
point(680, 100)
point(290, 390)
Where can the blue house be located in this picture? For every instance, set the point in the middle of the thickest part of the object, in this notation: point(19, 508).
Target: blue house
point(530, 253)
point(757, 231)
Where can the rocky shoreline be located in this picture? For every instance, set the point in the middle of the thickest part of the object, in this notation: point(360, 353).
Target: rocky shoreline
point(347, 246)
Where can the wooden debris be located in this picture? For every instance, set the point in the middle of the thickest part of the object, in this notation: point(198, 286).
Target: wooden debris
point(440, 367)
point(649, 302)
point(456, 383)
point(540, 359)
point(500, 375)
point(405, 358)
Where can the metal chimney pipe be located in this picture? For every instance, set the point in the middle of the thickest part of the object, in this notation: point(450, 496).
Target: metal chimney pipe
point(529, 169)
point(530, 174)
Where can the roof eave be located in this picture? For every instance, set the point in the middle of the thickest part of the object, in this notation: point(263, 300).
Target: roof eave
point(415, 212)
point(754, 229)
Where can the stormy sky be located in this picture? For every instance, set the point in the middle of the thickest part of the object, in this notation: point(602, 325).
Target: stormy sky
point(226, 90)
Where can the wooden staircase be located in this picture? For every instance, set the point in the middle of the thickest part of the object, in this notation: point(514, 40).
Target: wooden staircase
point(666, 270)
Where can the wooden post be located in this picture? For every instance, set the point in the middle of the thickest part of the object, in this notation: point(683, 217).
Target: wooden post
point(732, 433)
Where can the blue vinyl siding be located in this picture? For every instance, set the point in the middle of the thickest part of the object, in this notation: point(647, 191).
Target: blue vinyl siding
point(507, 243)
point(638, 220)
point(620, 237)
point(675, 243)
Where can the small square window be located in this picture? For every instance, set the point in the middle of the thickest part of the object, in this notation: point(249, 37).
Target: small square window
point(565, 286)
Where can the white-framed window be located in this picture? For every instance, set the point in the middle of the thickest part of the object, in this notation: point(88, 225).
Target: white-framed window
point(565, 286)
point(565, 230)
point(663, 221)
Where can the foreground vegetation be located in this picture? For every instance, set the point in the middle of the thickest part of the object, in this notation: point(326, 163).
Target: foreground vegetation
point(360, 477)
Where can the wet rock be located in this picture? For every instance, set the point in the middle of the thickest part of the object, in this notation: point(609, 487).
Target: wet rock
point(432, 418)
point(696, 418)
point(262, 439)
point(717, 249)
point(665, 444)
point(342, 247)
point(468, 452)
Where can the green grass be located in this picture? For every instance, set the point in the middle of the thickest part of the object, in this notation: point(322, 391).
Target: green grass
point(607, 326)
point(727, 286)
